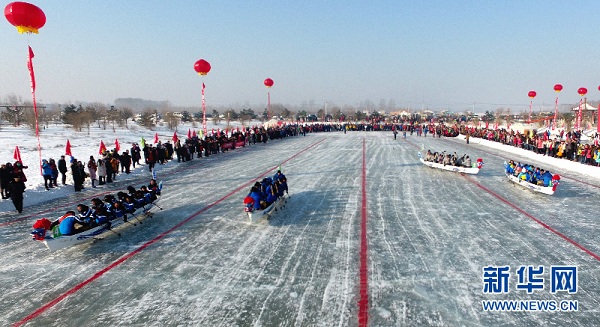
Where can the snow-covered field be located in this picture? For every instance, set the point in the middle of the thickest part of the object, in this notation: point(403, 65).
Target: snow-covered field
point(197, 262)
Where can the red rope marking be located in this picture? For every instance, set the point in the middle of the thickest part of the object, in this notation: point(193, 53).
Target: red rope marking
point(543, 224)
point(124, 258)
point(363, 302)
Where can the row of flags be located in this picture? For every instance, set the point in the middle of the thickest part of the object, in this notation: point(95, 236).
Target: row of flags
point(103, 148)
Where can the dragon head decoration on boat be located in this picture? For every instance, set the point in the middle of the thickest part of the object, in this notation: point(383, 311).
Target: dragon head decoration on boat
point(39, 229)
point(555, 182)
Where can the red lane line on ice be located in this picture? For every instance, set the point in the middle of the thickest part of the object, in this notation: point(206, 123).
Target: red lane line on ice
point(363, 302)
point(124, 258)
point(543, 224)
point(6, 223)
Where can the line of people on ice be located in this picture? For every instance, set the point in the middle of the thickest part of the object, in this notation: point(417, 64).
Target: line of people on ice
point(529, 173)
point(264, 193)
point(448, 159)
point(99, 212)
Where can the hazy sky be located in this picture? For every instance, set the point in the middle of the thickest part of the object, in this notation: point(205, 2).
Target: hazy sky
point(433, 54)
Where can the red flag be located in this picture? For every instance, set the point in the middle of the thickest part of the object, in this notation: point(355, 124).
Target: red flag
point(30, 67)
point(68, 149)
point(175, 138)
point(155, 138)
point(487, 124)
point(203, 86)
point(117, 146)
point(189, 136)
point(17, 154)
point(194, 133)
point(102, 147)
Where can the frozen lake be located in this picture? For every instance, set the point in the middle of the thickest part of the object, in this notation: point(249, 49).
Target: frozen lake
point(429, 234)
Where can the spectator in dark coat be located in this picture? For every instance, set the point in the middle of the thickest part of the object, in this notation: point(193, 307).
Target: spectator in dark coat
point(76, 173)
point(5, 179)
point(125, 160)
point(62, 168)
point(16, 189)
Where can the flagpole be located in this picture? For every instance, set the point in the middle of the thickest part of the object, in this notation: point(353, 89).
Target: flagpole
point(555, 114)
point(35, 111)
point(578, 122)
point(203, 110)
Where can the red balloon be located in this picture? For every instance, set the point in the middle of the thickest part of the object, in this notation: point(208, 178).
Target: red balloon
point(557, 87)
point(531, 94)
point(268, 82)
point(582, 91)
point(202, 67)
point(27, 18)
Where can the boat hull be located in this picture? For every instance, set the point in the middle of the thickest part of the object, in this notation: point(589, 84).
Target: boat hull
point(65, 241)
point(458, 169)
point(258, 215)
point(549, 190)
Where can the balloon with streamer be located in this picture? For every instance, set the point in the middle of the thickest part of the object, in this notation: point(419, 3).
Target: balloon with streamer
point(268, 83)
point(202, 67)
point(557, 88)
point(532, 95)
point(28, 18)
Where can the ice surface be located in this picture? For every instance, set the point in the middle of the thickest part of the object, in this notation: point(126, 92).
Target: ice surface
point(430, 233)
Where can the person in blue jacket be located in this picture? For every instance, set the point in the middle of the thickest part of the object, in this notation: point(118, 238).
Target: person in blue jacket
point(278, 175)
point(255, 194)
point(272, 195)
point(47, 173)
point(546, 177)
point(86, 215)
point(66, 223)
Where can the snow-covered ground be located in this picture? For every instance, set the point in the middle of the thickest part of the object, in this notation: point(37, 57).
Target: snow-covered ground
point(198, 263)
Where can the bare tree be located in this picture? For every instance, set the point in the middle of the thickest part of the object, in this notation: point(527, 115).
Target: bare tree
point(499, 116)
point(147, 118)
point(126, 114)
point(171, 120)
point(508, 117)
point(216, 117)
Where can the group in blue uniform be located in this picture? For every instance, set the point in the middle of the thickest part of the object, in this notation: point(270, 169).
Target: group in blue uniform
point(264, 193)
point(103, 211)
point(529, 173)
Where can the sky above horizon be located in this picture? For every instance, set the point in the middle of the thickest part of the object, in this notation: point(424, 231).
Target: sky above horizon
point(437, 55)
